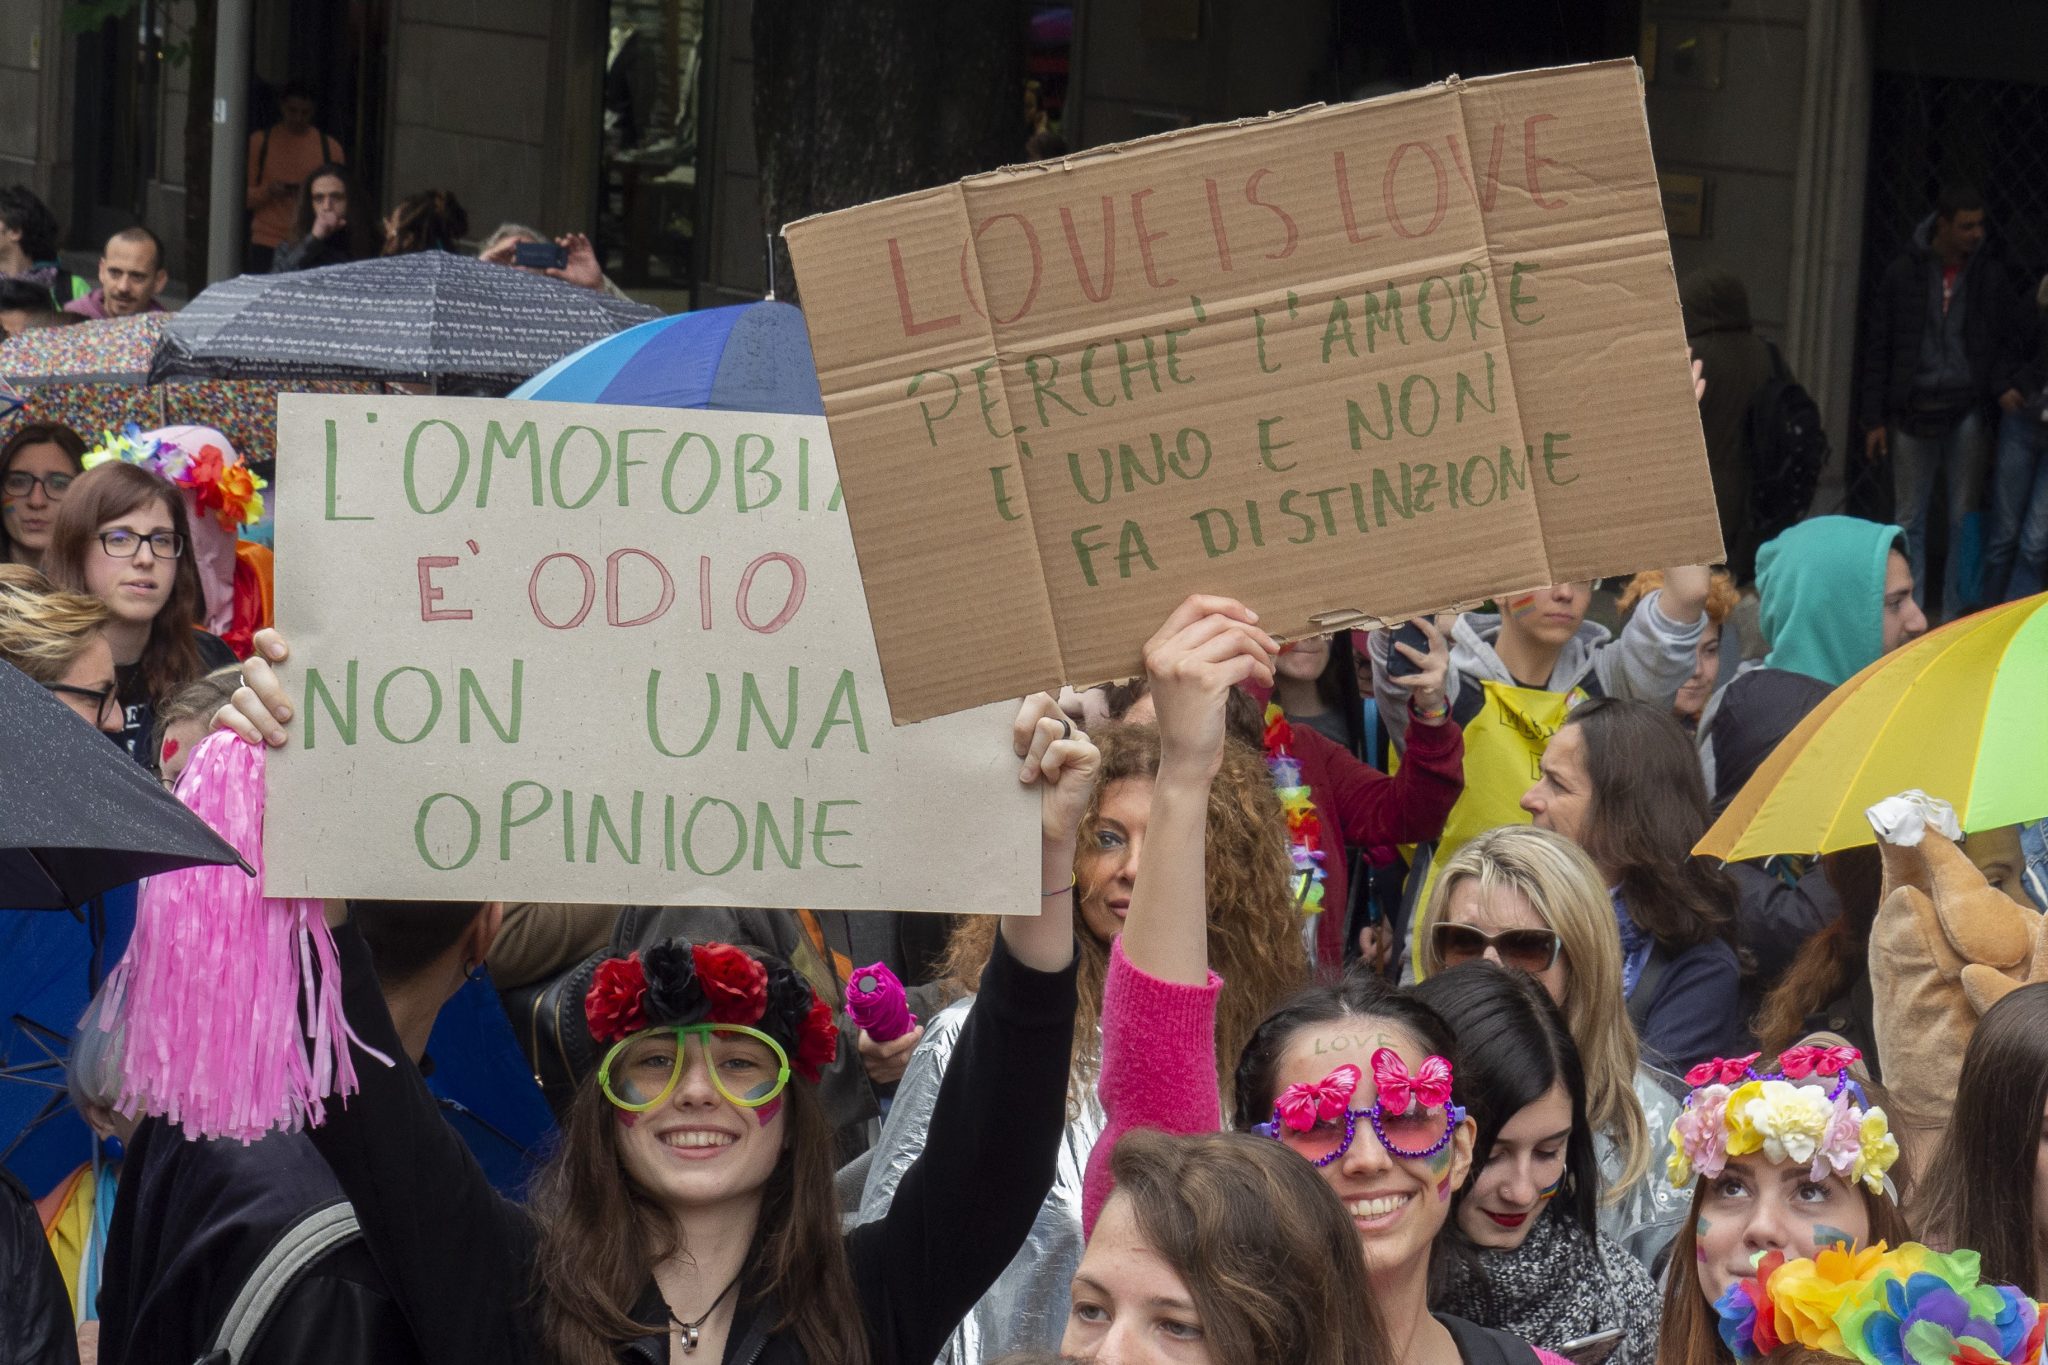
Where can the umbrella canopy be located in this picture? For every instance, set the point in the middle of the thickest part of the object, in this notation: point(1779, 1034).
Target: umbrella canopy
point(81, 817)
point(113, 351)
point(426, 316)
point(243, 410)
point(484, 1084)
point(54, 964)
point(1958, 713)
point(752, 357)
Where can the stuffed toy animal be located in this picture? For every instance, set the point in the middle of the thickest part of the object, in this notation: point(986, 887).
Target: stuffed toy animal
point(1945, 947)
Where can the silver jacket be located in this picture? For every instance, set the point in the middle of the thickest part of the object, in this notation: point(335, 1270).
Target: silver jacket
point(1026, 1308)
point(1646, 1218)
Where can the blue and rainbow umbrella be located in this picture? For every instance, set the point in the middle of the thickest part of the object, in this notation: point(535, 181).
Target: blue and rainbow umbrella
point(752, 357)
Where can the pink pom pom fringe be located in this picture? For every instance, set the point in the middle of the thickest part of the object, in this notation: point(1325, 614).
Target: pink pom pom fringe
point(219, 985)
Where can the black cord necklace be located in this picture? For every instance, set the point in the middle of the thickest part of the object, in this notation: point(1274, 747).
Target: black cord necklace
point(690, 1332)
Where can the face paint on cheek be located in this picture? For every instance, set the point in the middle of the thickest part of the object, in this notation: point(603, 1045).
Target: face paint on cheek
point(171, 748)
point(1518, 607)
point(765, 1115)
point(1443, 1189)
point(1825, 1236)
point(626, 1117)
point(1550, 1191)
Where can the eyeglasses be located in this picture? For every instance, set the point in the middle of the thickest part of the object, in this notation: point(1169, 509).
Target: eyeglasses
point(1530, 950)
point(103, 699)
point(20, 483)
point(1413, 1116)
point(124, 544)
point(747, 1066)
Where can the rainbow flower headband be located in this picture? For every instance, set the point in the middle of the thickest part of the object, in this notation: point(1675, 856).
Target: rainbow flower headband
point(1912, 1306)
point(226, 487)
point(1734, 1110)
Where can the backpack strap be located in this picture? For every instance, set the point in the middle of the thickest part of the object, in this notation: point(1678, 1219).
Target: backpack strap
point(1646, 986)
point(304, 1242)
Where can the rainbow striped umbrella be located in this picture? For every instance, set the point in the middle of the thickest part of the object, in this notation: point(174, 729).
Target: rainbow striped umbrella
point(752, 357)
point(1961, 713)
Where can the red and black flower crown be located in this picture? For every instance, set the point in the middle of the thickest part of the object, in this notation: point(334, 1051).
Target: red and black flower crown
point(677, 982)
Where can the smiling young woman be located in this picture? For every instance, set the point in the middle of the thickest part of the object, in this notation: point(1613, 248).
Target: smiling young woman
point(121, 535)
point(688, 1211)
point(1357, 1081)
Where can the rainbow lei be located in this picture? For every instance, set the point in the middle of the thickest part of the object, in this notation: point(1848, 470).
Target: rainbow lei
point(1304, 826)
point(227, 488)
point(1909, 1306)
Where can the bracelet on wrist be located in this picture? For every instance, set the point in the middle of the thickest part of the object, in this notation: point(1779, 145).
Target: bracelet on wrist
point(1431, 714)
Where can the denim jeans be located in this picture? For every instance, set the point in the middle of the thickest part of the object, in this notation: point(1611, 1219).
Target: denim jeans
point(1958, 457)
point(2016, 541)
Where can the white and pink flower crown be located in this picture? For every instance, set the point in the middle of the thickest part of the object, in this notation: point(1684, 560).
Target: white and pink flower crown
point(1808, 1112)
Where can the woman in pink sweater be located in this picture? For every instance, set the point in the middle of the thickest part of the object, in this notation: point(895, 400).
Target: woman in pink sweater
point(1349, 1076)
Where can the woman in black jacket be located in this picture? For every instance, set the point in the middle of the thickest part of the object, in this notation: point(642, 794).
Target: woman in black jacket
point(335, 224)
point(688, 1213)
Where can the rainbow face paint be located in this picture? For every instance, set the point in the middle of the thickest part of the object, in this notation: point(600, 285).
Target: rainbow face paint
point(1443, 1189)
point(1550, 1191)
point(1521, 605)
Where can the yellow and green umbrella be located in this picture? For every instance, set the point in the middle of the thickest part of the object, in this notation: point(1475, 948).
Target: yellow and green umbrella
point(1961, 713)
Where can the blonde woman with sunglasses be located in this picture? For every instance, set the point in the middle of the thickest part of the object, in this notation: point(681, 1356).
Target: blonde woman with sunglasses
point(1529, 899)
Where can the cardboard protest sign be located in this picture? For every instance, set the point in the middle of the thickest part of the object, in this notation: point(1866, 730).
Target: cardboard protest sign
point(1347, 363)
point(550, 651)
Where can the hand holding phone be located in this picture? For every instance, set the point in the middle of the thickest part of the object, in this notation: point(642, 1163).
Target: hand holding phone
point(540, 256)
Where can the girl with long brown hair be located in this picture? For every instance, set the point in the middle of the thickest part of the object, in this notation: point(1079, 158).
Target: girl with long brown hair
point(688, 1211)
point(122, 535)
point(1255, 938)
point(1986, 1186)
point(1739, 1140)
point(1356, 1080)
point(1622, 781)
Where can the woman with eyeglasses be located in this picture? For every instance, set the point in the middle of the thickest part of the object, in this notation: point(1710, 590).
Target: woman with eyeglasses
point(688, 1212)
point(37, 466)
point(58, 639)
point(122, 536)
point(1358, 1079)
point(1532, 900)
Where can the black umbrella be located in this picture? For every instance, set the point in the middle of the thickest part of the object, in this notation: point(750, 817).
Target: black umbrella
point(77, 815)
point(427, 317)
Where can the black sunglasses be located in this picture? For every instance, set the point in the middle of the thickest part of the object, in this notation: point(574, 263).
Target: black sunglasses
point(1530, 950)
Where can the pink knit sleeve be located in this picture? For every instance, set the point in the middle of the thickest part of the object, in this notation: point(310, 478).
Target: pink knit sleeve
point(1158, 1065)
point(1548, 1358)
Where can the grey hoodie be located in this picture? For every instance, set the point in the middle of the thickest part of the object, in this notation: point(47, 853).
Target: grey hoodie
point(1649, 661)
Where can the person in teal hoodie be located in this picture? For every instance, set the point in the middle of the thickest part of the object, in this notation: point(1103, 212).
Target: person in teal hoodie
point(1837, 595)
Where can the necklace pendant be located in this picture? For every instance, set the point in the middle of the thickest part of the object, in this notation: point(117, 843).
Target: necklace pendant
point(688, 1331)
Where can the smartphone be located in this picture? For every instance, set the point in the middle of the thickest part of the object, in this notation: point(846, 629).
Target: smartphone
point(1399, 665)
point(540, 255)
point(1591, 1350)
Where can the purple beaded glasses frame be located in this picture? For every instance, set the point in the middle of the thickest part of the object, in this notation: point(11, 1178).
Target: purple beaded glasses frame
point(1413, 1116)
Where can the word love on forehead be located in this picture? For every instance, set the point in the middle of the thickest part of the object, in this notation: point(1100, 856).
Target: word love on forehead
point(582, 653)
point(1343, 363)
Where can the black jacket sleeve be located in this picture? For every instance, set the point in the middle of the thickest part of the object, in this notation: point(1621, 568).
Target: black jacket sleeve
point(35, 1312)
point(457, 1257)
point(967, 1203)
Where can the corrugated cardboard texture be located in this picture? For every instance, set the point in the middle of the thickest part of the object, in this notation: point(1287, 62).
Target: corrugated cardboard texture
point(570, 652)
point(1362, 360)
